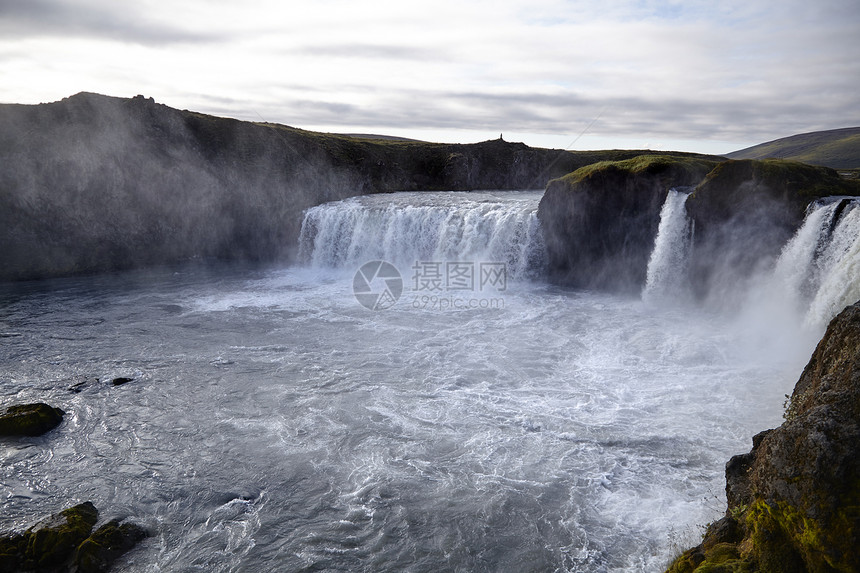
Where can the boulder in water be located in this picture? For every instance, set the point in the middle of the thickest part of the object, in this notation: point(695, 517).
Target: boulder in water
point(66, 542)
point(48, 545)
point(29, 419)
point(110, 541)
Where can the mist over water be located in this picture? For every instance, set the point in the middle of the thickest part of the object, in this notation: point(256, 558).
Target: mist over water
point(274, 423)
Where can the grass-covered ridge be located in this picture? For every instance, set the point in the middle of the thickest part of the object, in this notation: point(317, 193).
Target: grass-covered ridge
point(732, 183)
point(675, 165)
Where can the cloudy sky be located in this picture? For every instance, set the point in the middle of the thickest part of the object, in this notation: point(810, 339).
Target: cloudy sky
point(708, 75)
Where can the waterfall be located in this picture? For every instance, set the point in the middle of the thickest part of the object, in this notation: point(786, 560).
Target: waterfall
point(833, 277)
point(404, 228)
point(667, 268)
point(817, 273)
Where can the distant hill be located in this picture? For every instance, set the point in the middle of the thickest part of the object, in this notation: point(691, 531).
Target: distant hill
point(835, 148)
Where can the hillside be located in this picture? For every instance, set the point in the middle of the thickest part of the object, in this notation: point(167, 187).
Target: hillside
point(95, 183)
point(835, 148)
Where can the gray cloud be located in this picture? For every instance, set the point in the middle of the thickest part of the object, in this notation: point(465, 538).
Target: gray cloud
point(681, 118)
point(740, 70)
point(110, 20)
point(373, 52)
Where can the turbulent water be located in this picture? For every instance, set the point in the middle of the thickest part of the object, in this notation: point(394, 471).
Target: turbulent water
point(274, 423)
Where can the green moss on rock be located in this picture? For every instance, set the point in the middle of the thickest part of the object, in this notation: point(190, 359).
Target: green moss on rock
point(98, 552)
point(673, 170)
point(29, 419)
point(66, 542)
point(50, 544)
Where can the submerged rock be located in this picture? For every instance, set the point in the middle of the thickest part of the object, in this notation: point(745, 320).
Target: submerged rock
point(794, 500)
point(65, 543)
point(29, 419)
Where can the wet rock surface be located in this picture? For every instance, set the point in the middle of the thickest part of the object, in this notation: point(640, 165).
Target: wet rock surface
point(29, 419)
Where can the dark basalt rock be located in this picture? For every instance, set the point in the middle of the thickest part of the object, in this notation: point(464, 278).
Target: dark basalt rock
point(745, 211)
point(599, 222)
point(29, 419)
point(110, 541)
point(48, 545)
point(795, 498)
point(65, 543)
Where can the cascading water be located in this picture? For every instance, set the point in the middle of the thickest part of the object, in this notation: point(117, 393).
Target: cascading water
point(821, 264)
point(403, 228)
point(667, 268)
point(274, 423)
point(816, 275)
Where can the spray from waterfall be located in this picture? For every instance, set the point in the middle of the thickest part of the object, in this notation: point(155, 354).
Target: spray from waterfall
point(833, 276)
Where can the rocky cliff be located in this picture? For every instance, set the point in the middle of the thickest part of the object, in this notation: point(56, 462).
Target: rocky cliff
point(600, 221)
point(745, 211)
point(95, 183)
point(794, 499)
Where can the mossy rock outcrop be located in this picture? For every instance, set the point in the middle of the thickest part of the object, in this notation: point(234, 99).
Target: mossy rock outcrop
point(794, 500)
point(29, 419)
point(65, 542)
point(745, 211)
point(48, 545)
point(110, 541)
point(600, 221)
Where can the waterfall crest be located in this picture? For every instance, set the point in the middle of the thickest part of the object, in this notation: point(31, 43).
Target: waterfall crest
point(403, 228)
